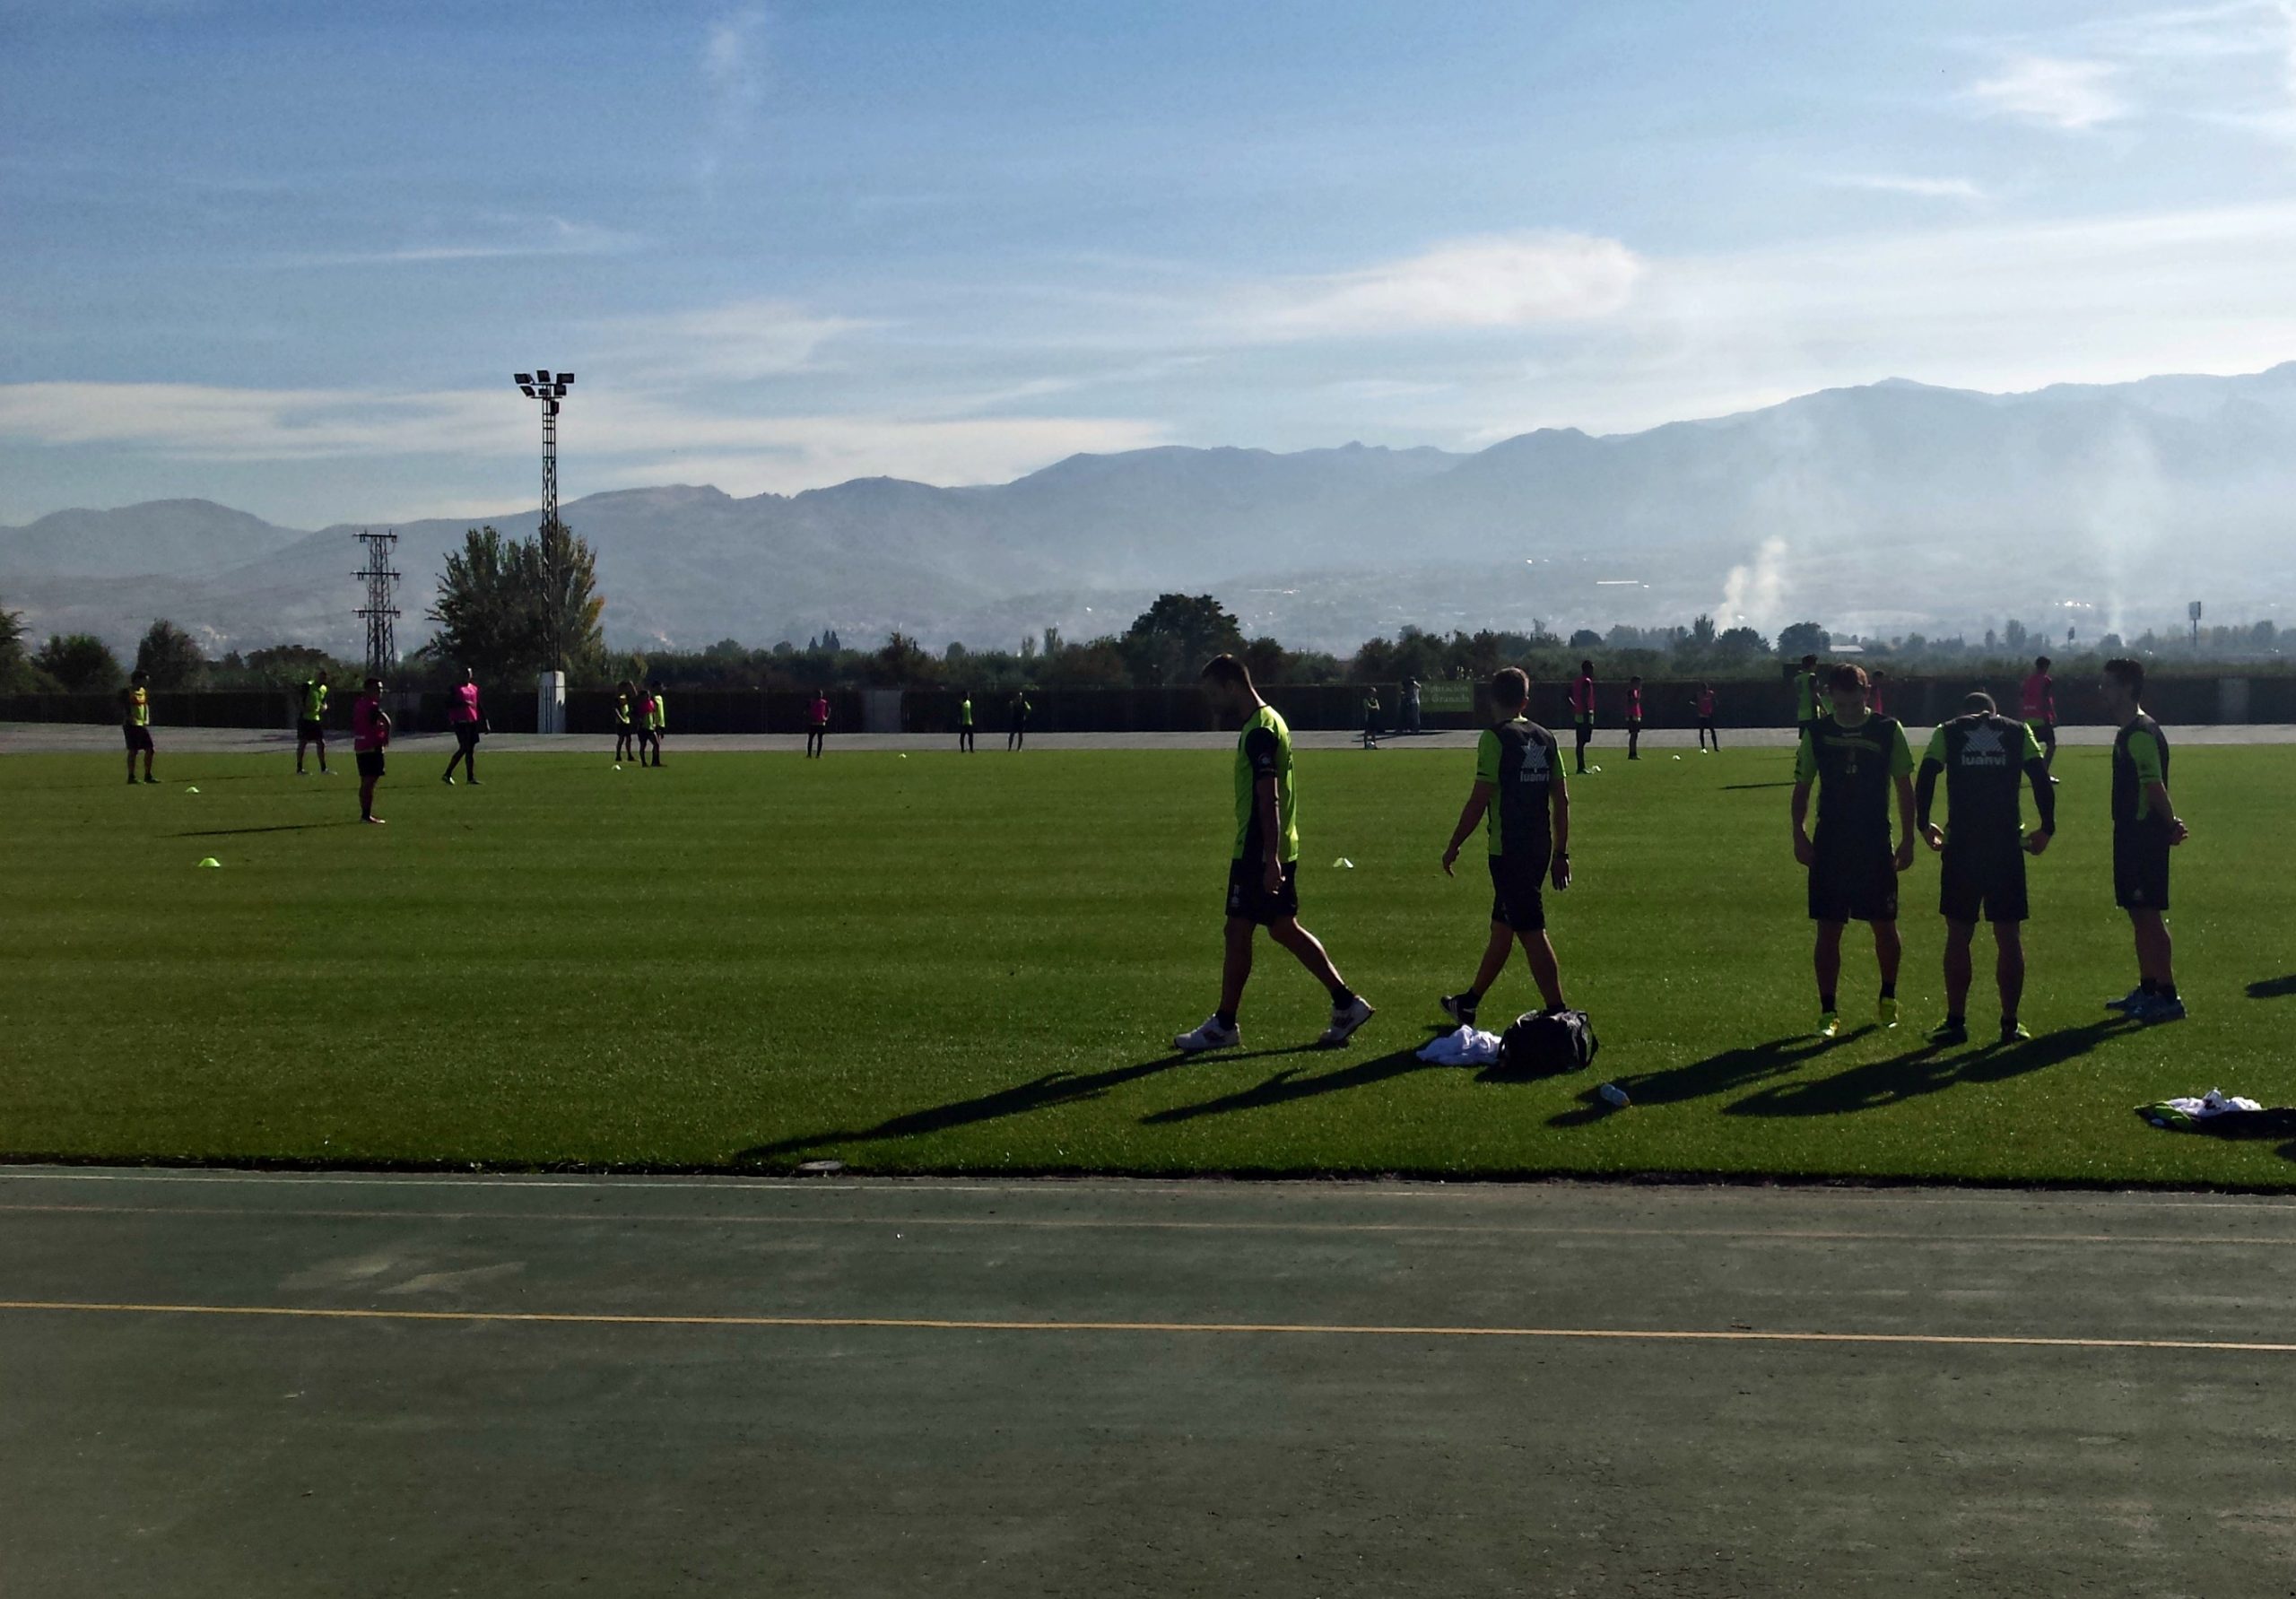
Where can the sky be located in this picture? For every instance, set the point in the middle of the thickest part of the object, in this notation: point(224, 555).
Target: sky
point(287, 256)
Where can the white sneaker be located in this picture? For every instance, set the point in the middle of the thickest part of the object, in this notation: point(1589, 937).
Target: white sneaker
point(1210, 1036)
point(1345, 1020)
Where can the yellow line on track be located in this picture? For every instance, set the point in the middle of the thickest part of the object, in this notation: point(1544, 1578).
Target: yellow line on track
point(1310, 1329)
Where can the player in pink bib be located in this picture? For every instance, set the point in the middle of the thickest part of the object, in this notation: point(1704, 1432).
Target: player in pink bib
point(463, 717)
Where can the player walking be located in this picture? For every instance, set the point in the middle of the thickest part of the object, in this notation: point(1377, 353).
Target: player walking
point(657, 719)
point(1372, 718)
point(1634, 718)
point(2145, 828)
point(1582, 711)
point(2039, 695)
point(463, 717)
point(1982, 754)
point(964, 724)
point(1263, 874)
point(1520, 797)
point(1806, 695)
point(1856, 758)
point(624, 739)
point(1704, 704)
point(135, 723)
point(817, 725)
point(370, 732)
point(1017, 736)
point(310, 725)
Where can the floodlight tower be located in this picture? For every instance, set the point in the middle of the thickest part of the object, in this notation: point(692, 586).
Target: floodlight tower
point(378, 613)
point(539, 385)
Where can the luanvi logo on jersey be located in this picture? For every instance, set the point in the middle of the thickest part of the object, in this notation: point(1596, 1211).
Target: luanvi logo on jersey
point(1983, 747)
point(1534, 765)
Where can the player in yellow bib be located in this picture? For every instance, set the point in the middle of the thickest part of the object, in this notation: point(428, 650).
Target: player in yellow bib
point(135, 724)
point(1263, 874)
point(310, 724)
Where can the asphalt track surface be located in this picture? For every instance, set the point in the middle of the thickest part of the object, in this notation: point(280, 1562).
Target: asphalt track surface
point(238, 1384)
point(63, 738)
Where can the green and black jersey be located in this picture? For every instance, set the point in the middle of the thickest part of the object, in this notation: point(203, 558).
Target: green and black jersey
point(1263, 750)
point(2140, 758)
point(1985, 758)
point(1519, 759)
point(314, 701)
point(1853, 768)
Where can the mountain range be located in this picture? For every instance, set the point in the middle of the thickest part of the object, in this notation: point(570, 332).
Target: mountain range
point(1889, 507)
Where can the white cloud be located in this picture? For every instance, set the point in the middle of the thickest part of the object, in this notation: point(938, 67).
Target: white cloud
point(1514, 281)
point(1927, 188)
point(733, 78)
point(738, 341)
point(2053, 91)
point(620, 438)
point(548, 236)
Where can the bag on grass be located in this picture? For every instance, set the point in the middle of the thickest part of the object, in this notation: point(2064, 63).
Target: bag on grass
point(1544, 1041)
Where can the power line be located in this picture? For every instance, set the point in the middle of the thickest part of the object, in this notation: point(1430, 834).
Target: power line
point(379, 612)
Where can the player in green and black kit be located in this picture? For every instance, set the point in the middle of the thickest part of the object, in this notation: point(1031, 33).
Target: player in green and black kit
point(1856, 758)
point(1520, 798)
point(1263, 874)
point(310, 724)
point(964, 724)
point(1983, 754)
point(2145, 828)
point(1808, 696)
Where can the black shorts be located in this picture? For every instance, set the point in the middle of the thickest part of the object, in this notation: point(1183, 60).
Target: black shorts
point(1982, 882)
point(1247, 895)
point(138, 738)
point(2140, 866)
point(1853, 882)
point(2045, 733)
point(467, 735)
point(308, 729)
point(1519, 891)
point(622, 730)
point(370, 762)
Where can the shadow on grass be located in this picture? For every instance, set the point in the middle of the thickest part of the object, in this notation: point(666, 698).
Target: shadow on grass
point(1731, 787)
point(1292, 1084)
point(1924, 1069)
point(2273, 988)
point(285, 827)
point(1040, 1093)
point(1716, 1075)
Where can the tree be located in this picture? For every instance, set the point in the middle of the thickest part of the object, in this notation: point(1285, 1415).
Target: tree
point(1803, 639)
point(2013, 634)
point(1702, 630)
point(1586, 638)
point(170, 656)
point(1170, 641)
point(1266, 659)
point(82, 662)
point(1740, 644)
point(901, 661)
point(499, 613)
point(15, 666)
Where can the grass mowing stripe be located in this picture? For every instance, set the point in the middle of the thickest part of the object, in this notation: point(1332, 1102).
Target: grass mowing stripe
point(970, 965)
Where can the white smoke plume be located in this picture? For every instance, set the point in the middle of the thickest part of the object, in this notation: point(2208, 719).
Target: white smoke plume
point(1755, 594)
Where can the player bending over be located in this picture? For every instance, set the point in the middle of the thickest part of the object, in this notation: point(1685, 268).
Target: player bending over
point(1856, 758)
point(2145, 828)
point(1520, 797)
point(1982, 754)
point(1263, 874)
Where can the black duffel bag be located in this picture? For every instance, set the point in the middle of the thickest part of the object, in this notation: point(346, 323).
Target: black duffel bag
point(1543, 1042)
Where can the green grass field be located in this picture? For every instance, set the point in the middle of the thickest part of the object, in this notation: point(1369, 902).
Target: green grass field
point(940, 964)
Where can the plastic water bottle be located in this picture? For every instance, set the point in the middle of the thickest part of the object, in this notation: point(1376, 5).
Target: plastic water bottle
point(1614, 1095)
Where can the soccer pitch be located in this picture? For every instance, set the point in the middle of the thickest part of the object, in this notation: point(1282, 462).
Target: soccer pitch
point(946, 963)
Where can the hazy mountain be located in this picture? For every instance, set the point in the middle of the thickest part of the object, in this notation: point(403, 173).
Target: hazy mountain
point(1887, 507)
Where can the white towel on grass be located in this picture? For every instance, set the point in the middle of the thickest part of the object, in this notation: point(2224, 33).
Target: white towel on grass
point(1465, 1048)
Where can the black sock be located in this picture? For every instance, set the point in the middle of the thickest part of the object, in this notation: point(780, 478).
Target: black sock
point(1889, 991)
point(1342, 997)
point(1472, 996)
point(1825, 999)
point(1956, 1019)
point(2008, 1022)
point(1225, 1018)
point(2148, 985)
point(2167, 990)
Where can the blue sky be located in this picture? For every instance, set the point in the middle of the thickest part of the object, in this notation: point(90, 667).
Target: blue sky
point(287, 256)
